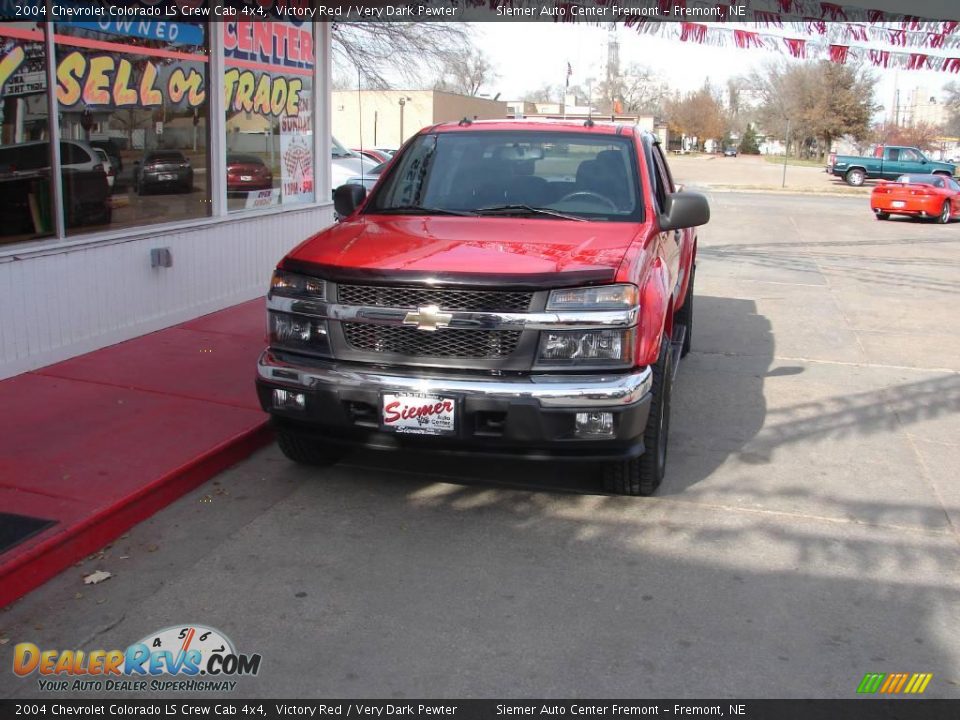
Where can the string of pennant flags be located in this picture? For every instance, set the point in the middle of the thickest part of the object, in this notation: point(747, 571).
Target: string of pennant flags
point(800, 28)
point(800, 47)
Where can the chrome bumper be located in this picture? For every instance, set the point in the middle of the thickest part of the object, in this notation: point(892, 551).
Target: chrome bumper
point(552, 391)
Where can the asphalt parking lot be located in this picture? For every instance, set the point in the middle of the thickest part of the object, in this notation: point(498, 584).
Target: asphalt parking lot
point(807, 531)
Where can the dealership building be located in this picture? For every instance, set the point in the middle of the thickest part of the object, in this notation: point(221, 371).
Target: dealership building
point(151, 172)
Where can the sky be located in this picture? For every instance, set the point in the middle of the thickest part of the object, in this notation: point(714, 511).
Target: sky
point(528, 55)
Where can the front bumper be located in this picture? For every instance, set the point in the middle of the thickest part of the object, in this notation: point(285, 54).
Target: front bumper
point(532, 416)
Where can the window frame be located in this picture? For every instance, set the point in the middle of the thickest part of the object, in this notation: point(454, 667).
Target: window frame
point(59, 241)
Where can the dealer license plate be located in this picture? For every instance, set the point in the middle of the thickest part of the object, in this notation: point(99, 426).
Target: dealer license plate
point(418, 414)
point(165, 178)
point(898, 204)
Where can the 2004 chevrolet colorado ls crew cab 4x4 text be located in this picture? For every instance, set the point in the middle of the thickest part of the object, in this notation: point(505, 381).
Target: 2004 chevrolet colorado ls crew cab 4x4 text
point(509, 287)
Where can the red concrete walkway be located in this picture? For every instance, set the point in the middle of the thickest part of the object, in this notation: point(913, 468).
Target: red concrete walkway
point(100, 442)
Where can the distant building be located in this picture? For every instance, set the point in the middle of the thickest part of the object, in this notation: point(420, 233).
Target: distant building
point(386, 118)
point(572, 109)
point(923, 106)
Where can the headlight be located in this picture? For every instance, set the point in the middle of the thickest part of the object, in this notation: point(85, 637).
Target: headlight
point(290, 284)
point(297, 332)
point(586, 347)
point(603, 297)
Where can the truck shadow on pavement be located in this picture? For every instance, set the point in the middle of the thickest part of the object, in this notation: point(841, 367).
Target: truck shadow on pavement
point(849, 259)
point(707, 401)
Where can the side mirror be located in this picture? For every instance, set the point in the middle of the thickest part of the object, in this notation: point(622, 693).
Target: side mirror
point(684, 210)
point(348, 198)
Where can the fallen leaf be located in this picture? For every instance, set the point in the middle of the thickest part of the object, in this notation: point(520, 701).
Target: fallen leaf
point(101, 601)
point(4, 641)
point(97, 577)
point(78, 595)
point(124, 557)
point(152, 548)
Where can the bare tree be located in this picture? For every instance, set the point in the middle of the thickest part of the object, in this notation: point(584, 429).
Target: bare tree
point(465, 74)
point(545, 93)
point(822, 101)
point(408, 50)
point(636, 90)
point(920, 135)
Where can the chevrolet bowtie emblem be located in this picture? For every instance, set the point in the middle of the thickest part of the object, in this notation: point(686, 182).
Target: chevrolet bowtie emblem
point(428, 318)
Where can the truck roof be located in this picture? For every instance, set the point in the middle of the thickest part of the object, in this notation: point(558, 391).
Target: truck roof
point(598, 127)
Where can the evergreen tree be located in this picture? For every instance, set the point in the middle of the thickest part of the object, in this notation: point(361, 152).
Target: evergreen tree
point(748, 144)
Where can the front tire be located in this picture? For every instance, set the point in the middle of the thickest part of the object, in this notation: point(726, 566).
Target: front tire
point(304, 449)
point(643, 475)
point(855, 177)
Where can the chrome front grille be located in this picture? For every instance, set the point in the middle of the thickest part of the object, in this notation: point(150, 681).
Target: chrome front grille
point(445, 299)
point(445, 343)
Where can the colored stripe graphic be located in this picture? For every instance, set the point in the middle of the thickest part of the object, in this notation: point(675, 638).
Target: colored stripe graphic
point(871, 682)
point(894, 683)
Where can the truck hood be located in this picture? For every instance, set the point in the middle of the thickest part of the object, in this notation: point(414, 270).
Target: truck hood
point(435, 247)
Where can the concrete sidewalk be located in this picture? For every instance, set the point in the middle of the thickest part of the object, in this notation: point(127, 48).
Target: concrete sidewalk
point(93, 445)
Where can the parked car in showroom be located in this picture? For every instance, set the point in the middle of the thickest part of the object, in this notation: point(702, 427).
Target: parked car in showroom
point(345, 164)
point(25, 171)
point(378, 156)
point(112, 148)
point(368, 180)
point(922, 196)
point(487, 299)
point(108, 168)
point(162, 170)
point(246, 173)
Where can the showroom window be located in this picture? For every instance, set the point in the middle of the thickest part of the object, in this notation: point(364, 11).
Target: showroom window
point(25, 187)
point(133, 112)
point(268, 100)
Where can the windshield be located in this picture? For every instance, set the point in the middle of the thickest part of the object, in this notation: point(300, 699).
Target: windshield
point(339, 151)
point(520, 172)
point(934, 180)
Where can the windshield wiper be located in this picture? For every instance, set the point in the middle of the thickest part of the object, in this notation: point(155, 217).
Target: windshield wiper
point(421, 210)
point(526, 209)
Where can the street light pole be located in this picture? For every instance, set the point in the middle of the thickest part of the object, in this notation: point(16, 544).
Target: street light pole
point(403, 102)
point(786, 150)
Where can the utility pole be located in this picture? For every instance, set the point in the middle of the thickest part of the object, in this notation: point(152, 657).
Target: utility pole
point(786, 150)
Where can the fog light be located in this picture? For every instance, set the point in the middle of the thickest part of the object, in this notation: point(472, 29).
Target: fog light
point(594, 424)
point(286, 400)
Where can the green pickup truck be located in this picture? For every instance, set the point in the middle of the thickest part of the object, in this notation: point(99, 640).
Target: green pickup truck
point(888, 162)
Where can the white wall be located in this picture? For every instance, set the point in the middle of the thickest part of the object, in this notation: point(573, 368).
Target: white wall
point(62, 303)
point(62, 298)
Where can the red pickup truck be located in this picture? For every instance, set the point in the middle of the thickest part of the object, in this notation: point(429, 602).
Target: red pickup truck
point(513, 288)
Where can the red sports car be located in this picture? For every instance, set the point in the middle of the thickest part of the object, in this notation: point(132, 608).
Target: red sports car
point(926, 196)
point(247, 172)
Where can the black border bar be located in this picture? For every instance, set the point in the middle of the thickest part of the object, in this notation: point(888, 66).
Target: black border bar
point(339, 709)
